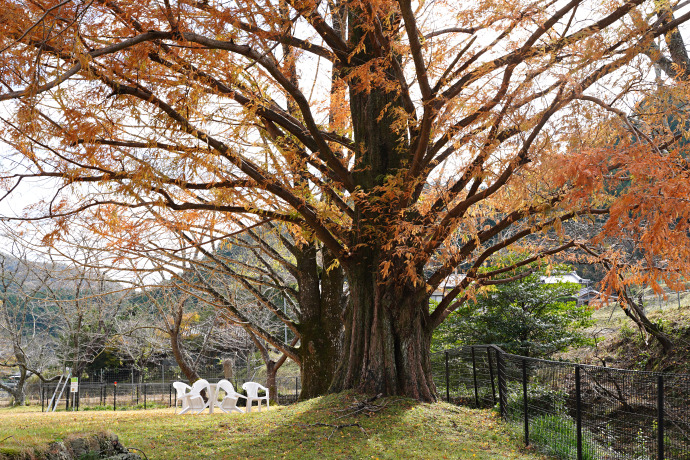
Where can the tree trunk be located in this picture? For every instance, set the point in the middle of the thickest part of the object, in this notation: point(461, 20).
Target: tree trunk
point(187, 370)
point(271, 371)
point(319, 355)
point(387, 343)
point(321, 320)
point(386, 347)
point(19, 396)
point(636, 313)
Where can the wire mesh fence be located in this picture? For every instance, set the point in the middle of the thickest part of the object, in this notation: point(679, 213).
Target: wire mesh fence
point(113, 394)
point(156, 374)
point(573, 411)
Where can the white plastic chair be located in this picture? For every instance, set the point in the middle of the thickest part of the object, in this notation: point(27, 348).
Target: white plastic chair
point(229, 402)
point(191, 401)
point(199, 386)
point(252, 389)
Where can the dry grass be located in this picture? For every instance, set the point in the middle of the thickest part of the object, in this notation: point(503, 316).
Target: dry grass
point(620, 344)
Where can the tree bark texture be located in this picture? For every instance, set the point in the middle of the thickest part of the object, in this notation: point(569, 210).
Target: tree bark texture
point(387, 341)
point(271, 371)
point(321, 326)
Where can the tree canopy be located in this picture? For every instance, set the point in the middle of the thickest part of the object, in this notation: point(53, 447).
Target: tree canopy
point(405, 140)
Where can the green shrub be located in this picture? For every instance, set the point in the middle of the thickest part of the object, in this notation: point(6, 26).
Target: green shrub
point(526, 317)
point(106, 407)
point(140, 406)
point(545, 398)
point(149, 405)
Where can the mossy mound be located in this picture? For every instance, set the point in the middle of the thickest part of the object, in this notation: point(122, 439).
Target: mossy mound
point(77, 447)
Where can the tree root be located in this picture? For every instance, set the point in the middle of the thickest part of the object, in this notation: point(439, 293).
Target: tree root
point(365, 406)
point(335, 427)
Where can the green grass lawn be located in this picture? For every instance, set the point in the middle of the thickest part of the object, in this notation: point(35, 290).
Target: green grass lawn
point(400, 429)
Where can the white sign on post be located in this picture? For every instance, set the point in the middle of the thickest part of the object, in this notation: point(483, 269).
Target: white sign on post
point(74, 385)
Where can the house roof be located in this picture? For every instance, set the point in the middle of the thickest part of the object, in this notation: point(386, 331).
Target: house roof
point(588, 293)
point(571, 277)
point(450, 282)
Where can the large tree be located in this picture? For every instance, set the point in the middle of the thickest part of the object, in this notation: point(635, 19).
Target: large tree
point(410, 139)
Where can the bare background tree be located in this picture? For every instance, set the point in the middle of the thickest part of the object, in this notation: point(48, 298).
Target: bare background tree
point(26, 344)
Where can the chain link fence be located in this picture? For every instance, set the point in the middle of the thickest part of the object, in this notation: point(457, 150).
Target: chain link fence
point(574, 411)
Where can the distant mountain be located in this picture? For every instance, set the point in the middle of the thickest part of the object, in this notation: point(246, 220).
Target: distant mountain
point(16, 272)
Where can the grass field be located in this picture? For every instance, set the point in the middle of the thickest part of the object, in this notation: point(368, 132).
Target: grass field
point(612, 315)
point(399, 429)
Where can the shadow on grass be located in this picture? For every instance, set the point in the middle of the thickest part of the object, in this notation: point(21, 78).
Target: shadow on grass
point(332, 427)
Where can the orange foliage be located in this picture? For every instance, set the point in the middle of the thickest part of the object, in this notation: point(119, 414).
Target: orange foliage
point(417, 138)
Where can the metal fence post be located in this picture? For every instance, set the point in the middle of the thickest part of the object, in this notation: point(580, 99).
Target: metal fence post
point(578, 411)
point(447, 379)
point(524, 399)
point(474, 377)
point(502, 384)
point(115, 396)
point(170, 395)
point(491, 376)
point(660, 416)
point(144, 396)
